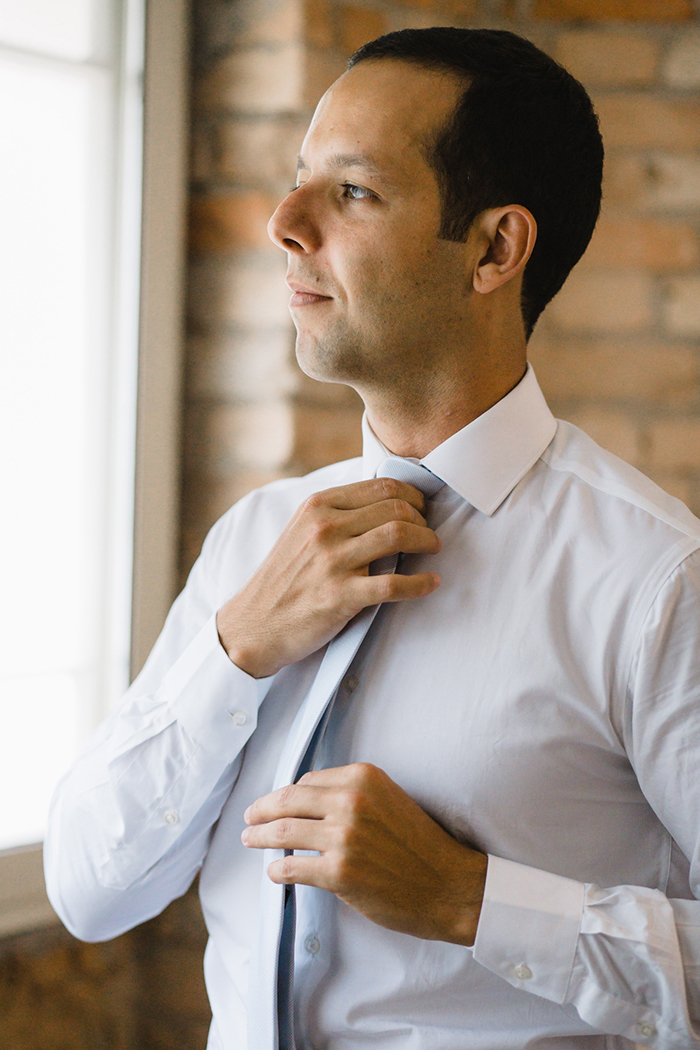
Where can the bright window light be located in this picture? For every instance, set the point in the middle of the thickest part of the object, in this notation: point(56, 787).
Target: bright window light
point(66, 394)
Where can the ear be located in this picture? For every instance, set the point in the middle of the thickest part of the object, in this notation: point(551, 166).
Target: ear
point(506, 237)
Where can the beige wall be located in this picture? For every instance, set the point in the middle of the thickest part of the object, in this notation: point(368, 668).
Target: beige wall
point(618, 352)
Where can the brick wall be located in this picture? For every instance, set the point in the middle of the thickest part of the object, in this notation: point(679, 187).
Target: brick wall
point(618, 352)
point(142, 991)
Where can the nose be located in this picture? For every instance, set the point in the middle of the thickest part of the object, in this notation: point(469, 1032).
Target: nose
point(292, 227)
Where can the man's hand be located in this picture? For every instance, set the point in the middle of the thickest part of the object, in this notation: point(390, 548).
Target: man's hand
point(316, 578)
point(379, 852)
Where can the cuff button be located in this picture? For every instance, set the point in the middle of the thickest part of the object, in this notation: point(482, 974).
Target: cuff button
point(647, 1030)
point(523, 972)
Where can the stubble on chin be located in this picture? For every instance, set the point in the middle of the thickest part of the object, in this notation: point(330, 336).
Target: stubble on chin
point(336, 358)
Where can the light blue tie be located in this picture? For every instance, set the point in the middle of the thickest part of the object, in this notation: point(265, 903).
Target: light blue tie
point(271, 977)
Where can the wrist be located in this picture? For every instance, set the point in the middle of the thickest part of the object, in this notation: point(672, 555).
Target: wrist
point(465, 919)
point(244, 655)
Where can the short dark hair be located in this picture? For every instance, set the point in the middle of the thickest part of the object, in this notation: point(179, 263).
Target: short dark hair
point(523, 132)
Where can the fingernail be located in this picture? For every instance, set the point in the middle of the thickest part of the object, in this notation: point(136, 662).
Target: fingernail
point(244, 835)
point(246, 815)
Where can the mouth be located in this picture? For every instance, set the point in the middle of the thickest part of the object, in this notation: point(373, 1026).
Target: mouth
point(303, 295)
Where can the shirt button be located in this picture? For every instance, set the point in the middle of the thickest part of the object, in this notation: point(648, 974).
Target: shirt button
point(239, 718)
point(312, 945)
point(647, 1030)
point(171, 817)
point(351, 683)
point(523, 972)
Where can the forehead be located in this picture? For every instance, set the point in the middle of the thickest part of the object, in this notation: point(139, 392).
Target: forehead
point(385, 109)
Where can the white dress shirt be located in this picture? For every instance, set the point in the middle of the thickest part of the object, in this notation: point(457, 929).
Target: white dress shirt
point(543, 705)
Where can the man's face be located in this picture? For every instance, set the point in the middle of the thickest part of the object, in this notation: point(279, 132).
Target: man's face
point(377, 296)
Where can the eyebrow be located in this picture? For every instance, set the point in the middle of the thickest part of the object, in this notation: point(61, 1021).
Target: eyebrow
point(350, 160)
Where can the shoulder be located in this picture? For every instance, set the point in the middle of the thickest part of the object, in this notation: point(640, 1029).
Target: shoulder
point(624, 535)
point(616, 490)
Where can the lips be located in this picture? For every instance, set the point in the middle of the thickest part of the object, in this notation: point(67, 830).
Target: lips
point(305, 295)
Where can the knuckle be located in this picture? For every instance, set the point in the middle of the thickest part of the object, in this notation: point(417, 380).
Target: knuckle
point(393, 532)
point(389, 487)
point(286, 795)
point(314, 501)
point(322, 530)
point(283, 831)
point(364, 772)
point(287, 867)
point(401, 510)
point(388, 586)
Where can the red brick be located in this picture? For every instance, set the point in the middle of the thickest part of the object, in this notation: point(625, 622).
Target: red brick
point(275, 22)
point(622, 10)
point(662, 180)
point(222, 224)
point(442, 12)
point(322, 67)
point(221, 438)
point(319, 26)
point(612, 301)
point(614, 431)
point(646, 121)
point(598, 57)
point(679, 485)
point(682, 308)
point(640, 243)
point(682, 66)
point(247, 289)
point(244, 365)
point(259, 152)
point(603, 370)
point(325, 435)
point(176, 979)
point(358, 25)
point(257, 80)
point(675, 444)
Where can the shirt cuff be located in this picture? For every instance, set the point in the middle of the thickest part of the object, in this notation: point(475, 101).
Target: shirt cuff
point(213, 699)
point(529, 927)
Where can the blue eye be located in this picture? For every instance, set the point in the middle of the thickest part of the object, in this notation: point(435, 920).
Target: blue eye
point(356, 193)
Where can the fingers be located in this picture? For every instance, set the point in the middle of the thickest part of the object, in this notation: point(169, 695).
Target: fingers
point(371, 516)
point(304, 871)
point(288, 833)
point(363, 493)
point(394, 537)
point(393, 587)
point(297, 800)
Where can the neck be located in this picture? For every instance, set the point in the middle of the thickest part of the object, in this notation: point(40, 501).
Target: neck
point(414, 423)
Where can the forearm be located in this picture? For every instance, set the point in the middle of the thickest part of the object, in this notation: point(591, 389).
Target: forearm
point(136, 810)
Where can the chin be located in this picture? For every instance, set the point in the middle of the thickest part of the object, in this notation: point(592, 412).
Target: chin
point(329, 361)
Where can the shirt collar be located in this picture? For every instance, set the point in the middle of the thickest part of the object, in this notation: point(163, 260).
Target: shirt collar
point(485, 460)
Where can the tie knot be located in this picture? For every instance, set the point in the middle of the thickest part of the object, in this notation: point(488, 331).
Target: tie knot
point(413, 473)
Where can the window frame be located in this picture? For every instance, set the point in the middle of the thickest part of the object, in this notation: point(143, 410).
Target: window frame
point(158, 175)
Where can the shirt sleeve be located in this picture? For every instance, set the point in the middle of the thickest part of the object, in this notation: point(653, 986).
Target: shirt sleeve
point(136, 811)
point(627, 958)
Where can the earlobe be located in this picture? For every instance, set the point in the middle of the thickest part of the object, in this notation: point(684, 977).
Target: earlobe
point(508, 237)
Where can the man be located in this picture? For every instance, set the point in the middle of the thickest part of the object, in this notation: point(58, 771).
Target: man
point(497, 837)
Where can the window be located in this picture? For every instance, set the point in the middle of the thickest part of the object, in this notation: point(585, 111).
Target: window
point(72, 189)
